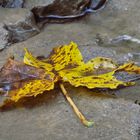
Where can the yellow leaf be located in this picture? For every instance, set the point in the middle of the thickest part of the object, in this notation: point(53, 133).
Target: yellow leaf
point(102, 63)
point(92, 74)
point(97, 81)
point(29, 59)
point(130, 67)
point(66, 56)
point(32, 88)
point(65, 64)
point(94, 66)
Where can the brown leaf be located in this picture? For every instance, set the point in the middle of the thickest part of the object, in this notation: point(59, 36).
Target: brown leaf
point(14, 73)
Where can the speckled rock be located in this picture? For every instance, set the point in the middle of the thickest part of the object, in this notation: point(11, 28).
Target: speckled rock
point(32, 3)
point(12, 16)
point(48, 116)
point(3, 37)
point(19, 26)
point(11, 3)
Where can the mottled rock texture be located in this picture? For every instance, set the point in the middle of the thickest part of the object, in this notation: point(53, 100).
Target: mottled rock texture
point(49, 117)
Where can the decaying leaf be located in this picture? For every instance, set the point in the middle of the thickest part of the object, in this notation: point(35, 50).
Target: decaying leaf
point(16, 76)
point(65, 10)
point(32, 88)
point(32, 61)
point(60, 58)
point(64, 64)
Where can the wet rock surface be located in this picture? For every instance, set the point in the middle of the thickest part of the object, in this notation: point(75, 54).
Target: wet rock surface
point(40, 15)
point(33, 3)
point(11, 3)
point(22, 30)
point(49, 116)
point(10, 16)
point(3, 37)
point(18, 26)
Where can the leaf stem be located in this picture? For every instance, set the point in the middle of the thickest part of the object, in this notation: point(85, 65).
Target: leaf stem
point(76, 110)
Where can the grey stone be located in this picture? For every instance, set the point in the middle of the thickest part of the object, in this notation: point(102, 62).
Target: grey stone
point(10, 15)
point(11, 3)
point(22, 30)
point(20, 26)
point(3, 37)
point(48, 116)
point(32, 3)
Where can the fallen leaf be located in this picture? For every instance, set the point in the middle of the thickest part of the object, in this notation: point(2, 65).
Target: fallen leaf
point(32, 88)
point(69, 10)
point(64, 64)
